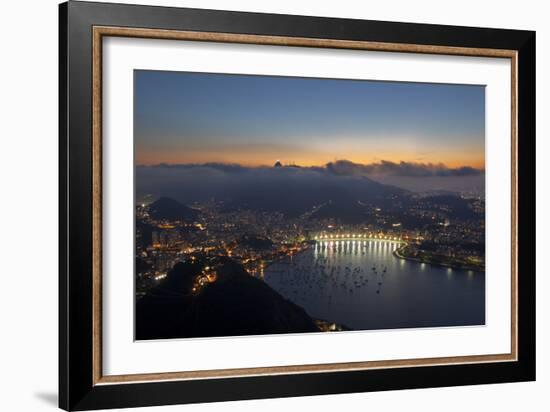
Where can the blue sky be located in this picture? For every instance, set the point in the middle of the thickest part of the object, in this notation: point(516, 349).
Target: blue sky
point(185, 117)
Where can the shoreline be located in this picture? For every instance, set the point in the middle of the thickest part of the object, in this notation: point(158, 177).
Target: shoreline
point(280, 259)
point(398, 255)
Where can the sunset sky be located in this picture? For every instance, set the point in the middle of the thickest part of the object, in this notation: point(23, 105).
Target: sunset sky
point(183, 118)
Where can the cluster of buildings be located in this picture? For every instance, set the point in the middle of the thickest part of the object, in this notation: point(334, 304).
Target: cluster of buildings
point(256, 238)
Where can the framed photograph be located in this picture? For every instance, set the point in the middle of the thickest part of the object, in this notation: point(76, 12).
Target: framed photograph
point(259, 206)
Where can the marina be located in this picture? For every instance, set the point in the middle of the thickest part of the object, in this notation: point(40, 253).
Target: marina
point(362, 285)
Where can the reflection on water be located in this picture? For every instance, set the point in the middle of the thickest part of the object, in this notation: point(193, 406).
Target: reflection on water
point(362, 285)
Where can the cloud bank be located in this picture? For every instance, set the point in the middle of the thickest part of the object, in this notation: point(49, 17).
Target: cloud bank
point(340, 168)
point(303, 185)
point(404, 169)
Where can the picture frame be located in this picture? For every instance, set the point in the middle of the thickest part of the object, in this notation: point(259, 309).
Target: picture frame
point(83, 385)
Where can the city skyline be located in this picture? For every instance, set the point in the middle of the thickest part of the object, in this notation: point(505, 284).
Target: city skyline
point(195, 118)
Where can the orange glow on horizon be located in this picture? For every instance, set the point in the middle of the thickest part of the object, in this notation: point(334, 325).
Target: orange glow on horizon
point(312, 151)
point(451, 160)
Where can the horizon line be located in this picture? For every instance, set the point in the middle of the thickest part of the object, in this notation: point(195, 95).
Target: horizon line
point(324, 165)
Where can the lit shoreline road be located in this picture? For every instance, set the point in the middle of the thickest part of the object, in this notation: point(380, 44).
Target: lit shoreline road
point(361, 238)
point(397, 254)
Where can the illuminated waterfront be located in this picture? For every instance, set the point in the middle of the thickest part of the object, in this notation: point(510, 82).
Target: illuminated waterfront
point(361, 284)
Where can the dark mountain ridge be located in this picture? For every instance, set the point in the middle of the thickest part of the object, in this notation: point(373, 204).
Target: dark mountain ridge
point(290, 190)
point(295, 197)
point(170, 209)
point(236, 304)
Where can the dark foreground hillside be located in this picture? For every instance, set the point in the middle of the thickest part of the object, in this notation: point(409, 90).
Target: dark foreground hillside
point(235, 304)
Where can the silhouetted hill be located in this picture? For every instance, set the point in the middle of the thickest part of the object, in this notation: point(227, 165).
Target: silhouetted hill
point(294, 197)
point(170, 209)
point(291, 190)
point(255, 242)
point(456, 206)
point(347, 211)
point(235, 305)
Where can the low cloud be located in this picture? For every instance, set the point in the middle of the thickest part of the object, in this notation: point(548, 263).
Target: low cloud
point(305, 185)
point(403, 169)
